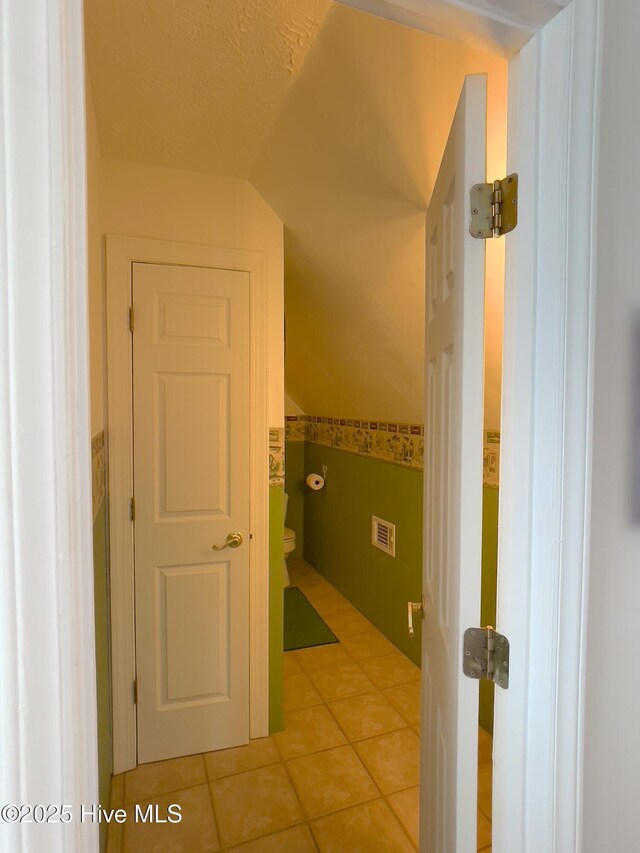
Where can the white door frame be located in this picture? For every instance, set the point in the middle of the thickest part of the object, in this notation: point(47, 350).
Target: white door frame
point(546, 435)
point(121, 253)
point(48, 724)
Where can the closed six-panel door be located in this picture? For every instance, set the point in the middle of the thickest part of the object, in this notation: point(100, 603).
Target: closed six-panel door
point(191, 399)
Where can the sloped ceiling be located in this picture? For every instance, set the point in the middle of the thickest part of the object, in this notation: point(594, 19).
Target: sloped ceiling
point(342, 138)
point(349, 168)
point(503, 26)
point(194, 84)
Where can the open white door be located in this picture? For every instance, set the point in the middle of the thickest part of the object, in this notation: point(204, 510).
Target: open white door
point(454, 349)
point(191, 382)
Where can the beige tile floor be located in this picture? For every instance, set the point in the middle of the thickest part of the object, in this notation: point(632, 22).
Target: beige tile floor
point(341, 777)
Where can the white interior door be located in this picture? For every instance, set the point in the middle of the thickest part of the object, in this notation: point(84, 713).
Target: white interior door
point(191, 403)
point(453, 483)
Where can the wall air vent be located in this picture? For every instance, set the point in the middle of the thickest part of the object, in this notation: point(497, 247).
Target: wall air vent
point(383, 535)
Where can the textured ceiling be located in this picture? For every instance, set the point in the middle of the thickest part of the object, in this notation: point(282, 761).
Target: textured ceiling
point(194, 84)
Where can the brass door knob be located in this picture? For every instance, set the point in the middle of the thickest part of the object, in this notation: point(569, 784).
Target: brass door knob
point(234, 540)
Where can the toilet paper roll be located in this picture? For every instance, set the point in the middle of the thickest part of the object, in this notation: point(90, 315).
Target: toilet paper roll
point(315, 482)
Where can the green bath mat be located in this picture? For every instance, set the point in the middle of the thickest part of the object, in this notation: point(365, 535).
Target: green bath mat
point(303, 627)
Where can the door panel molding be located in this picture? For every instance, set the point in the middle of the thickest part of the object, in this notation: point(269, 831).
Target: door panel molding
point(121, 254)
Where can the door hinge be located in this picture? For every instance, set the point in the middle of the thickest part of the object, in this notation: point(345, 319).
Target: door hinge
point(494, 208)
point(486, 655)
point(133, 509)
point(135, 691)
point(131, 318)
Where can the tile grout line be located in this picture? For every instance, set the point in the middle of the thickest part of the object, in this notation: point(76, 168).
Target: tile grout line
point(155, 796)
point(304, 823)
point(216, 820)
point(404, 725)
point(299, 801)
point(121, 845)
point(391, 809)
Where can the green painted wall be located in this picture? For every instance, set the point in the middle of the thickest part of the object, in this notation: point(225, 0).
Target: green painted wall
point(276, 603)
point(103, 681)
point(295, 487)
point(337, 536)
point(489, 588)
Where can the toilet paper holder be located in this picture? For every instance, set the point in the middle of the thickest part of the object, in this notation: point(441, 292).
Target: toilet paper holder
point(317, 482)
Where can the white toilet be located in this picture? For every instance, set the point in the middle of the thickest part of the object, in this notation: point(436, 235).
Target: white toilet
point(289, 543)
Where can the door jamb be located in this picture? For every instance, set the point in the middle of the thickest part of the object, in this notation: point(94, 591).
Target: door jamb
point(547, 433)
point(48, 715)
point(121, 253)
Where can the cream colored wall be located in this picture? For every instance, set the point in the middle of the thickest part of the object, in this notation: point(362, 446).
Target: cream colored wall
point(349, 168)
point(94, 250)
point(291, 407)
point(188, 207)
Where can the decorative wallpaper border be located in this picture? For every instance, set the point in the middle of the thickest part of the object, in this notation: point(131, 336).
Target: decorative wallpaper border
point(491, 459)
point(276, 456)
point(402, 444)
point(295, 427)
point(398, 443)
point(98, 476)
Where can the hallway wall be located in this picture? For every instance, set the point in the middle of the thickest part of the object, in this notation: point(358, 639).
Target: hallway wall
point(610, 815)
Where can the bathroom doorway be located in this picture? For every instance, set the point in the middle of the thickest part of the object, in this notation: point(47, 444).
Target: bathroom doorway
point(360, 497)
